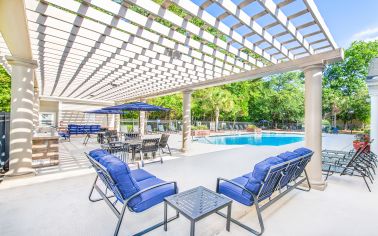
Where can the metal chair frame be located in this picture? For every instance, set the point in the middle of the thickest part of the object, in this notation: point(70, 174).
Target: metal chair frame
point(118, 149)
point(281, 178)
point(163, 143)
point(150, 146)
point(361, 164)
point(110, 184)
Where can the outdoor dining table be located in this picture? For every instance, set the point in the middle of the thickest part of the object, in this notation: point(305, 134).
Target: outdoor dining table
point(134, 144)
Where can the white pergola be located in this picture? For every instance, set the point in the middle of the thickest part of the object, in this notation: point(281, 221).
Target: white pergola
point(103, 51)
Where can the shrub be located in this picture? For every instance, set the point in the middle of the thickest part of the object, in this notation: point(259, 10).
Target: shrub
point(251, 127)
point(200, 127)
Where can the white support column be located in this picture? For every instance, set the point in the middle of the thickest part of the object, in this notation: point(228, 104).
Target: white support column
point(36, 107)
point(117, 124)
point(60, 115)
point(313, 123)
point(142, 120)
point(186, 118)
point(373, 92)
point(21, 126)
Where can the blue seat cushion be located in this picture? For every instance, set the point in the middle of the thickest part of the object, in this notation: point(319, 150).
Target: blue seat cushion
point(120, 173)
point(235, 192)
point(288, 156)
point(261, 169)
point(302, 151)
point(151, 197)
point(97, 153)
point(140, 174)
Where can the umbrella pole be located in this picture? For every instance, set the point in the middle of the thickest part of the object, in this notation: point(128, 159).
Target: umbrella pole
point(140, 127)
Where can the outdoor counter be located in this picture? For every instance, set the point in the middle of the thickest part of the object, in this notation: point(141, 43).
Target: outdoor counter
point(45, 149)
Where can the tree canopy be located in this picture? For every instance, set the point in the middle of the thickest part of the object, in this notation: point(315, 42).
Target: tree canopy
point(345, 94)
point(5, 90)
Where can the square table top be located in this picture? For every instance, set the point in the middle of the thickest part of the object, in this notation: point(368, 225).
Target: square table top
point(198, 202)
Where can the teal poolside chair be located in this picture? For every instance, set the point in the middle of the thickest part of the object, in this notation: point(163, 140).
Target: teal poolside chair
point(280, 174)
point(136, 190)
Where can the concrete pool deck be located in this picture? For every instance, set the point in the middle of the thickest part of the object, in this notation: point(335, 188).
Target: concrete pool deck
point(56, 203)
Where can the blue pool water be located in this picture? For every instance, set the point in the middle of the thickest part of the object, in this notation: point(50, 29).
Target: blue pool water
point(253, 139)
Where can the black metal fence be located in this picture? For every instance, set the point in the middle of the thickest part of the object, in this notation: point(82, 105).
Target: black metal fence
point(4, 141)
point(132, 125)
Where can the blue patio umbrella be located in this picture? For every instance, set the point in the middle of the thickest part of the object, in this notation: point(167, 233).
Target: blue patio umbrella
point(137, 106)
point(105, 111)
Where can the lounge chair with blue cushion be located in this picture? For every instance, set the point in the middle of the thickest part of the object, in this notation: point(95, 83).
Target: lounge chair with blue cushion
point(281, 173)
point(137, 190)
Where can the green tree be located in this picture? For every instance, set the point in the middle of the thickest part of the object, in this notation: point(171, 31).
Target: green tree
point(174, 102)
point(241, 97)
point(345, 93)
point(215, 100)
point(279, 98)
point(5, 90)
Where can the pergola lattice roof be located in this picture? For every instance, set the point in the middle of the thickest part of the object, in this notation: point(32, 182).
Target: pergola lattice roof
point(118, 50)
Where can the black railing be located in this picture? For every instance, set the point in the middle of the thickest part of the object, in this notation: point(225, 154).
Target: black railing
point(4, 141)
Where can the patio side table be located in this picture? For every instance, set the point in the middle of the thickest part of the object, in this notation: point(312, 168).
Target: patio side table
point(197, 203)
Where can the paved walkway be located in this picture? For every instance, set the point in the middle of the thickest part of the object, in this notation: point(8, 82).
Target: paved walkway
point(60, 206)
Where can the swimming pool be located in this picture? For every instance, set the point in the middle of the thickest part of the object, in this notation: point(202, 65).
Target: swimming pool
point(264, 139)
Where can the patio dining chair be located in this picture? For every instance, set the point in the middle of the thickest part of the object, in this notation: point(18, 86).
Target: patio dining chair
point(163, 144)
point(150, 146)
point(118, 149)
point(111, 136)
point(279, 174)
point(135, 190)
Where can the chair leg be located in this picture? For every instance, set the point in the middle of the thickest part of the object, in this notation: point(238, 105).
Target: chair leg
point(142, 158)
point(259, 216)
point(120, 220)
point(308, 183)
point(91, 192)
point(367, 185)
point(169, 150)
point(329, 171)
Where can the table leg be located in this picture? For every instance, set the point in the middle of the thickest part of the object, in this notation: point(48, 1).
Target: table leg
point(165, 216)
point(133, 153)
point(192, 227)
point(228, 217)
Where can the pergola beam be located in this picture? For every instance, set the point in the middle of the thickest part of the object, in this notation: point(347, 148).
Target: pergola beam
point(100, 49)
point(297, 64)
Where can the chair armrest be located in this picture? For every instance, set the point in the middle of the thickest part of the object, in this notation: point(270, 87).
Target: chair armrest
point(237, 185)
point(150, 188)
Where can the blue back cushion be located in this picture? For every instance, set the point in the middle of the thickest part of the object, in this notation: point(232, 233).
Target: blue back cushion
point(98, 153)
point(261, 169)
point(253, 185)
point(95, 128)
point(287, 156)
point(120, 172)
point(302, 151)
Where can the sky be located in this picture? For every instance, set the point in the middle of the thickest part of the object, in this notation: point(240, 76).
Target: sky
point(350, 20)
